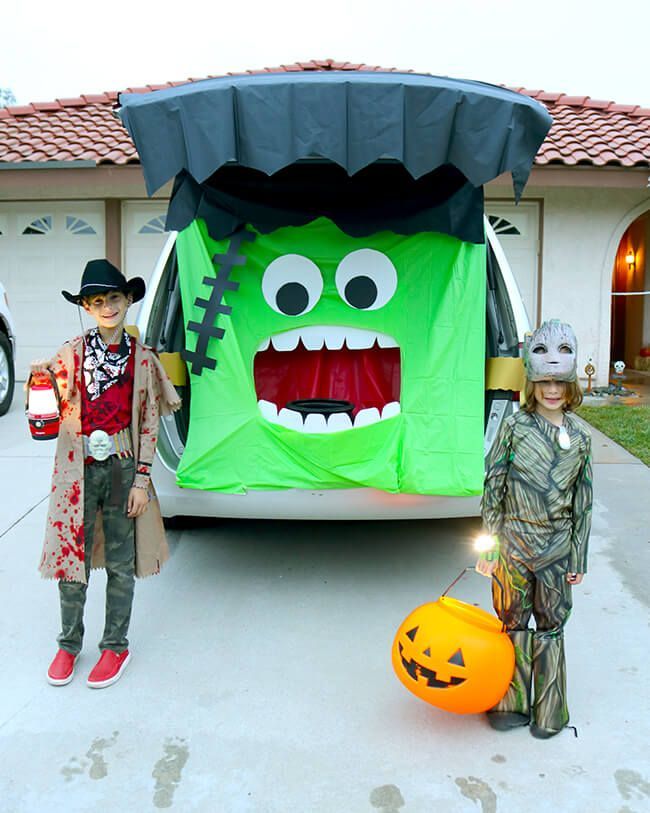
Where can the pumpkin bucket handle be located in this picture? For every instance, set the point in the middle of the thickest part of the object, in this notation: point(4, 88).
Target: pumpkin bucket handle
point(460, 576)
point(457, 579)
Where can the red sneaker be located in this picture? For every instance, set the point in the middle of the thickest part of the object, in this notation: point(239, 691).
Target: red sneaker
point(108, 668)
point(61, 669)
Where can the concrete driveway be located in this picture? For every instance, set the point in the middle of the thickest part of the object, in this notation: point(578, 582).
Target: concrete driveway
point(261, 677)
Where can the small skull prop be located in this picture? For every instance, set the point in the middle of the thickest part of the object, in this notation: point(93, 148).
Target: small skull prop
point(619, 367)
point(99, 444)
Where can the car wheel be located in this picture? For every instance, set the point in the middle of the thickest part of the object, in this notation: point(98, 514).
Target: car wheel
point(7, 374)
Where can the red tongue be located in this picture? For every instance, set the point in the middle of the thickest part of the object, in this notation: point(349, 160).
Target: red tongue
point(366, 378)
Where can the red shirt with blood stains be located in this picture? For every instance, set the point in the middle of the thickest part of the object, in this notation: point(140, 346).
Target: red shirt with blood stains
point(112, 410)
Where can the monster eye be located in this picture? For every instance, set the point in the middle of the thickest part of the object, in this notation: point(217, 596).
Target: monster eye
point(539, 348)
point(292, 284)
point(366, 279)
point(564, 348)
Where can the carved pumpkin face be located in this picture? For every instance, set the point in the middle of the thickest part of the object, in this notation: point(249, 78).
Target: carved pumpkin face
point(417, 669)
point(454, 656)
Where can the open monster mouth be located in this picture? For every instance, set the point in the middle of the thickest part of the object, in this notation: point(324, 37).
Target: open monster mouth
point(324, 378)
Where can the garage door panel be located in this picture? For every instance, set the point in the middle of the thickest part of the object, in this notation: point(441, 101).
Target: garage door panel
point(143, 226)
point(43, 249)
point(517, 228)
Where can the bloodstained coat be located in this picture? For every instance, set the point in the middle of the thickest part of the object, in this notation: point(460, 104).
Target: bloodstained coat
point(153, 395)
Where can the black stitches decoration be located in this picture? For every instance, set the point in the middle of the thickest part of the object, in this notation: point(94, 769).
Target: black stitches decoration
point(213, 306)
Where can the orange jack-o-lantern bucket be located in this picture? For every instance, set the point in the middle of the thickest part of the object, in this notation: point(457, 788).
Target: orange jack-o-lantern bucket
point(454, 655)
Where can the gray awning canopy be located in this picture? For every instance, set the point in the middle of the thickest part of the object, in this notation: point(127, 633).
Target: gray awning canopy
point(267, 122)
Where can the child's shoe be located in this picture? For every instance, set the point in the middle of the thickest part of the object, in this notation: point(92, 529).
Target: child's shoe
point(505, 720)
point(543, 733)
point(61, 670)
point(108, 668)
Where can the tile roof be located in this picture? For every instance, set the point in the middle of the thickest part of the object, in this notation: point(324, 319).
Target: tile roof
point(585, 131)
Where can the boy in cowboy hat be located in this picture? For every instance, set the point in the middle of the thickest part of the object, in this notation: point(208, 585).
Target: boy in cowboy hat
point(103, 511)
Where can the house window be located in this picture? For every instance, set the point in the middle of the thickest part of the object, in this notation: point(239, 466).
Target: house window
point(42, 225)
point(502, 226)
point(76, 225)
point(154, 226)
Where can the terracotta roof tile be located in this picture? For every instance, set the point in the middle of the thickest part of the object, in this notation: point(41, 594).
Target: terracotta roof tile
point(585, 130)
point(22, 110)
point(548, 97)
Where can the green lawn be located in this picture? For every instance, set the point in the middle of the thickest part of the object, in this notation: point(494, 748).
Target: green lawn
point(628, 426)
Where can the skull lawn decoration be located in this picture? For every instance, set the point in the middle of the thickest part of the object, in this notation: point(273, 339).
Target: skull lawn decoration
point(550, 352)
point(619, 367)
point(454, 656)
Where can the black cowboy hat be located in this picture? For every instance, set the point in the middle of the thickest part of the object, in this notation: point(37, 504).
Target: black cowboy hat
point(99, 277)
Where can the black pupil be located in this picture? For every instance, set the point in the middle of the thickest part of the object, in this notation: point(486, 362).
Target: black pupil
point(361, 292)
point(292, 298)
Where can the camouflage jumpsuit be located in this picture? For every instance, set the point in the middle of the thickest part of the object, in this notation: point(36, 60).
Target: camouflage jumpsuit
point(106, 488)
point(537, 499)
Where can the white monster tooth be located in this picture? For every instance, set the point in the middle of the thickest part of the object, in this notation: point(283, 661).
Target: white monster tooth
point(269, 410)
point(359, 339)
point(366, 416)
point(334, 337)
point(390, 410)
point(384, 340)
point(264, 345)
point(290, 419)
point(312, 337)
point(315, 422)
point(339, 422)
point(286, 341)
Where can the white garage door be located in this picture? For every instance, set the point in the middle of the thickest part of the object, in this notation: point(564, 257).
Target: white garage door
point(43, 249)
point(517, 227)
point(143, 236)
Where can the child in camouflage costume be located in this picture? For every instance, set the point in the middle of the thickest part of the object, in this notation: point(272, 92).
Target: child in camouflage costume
point(537, 506)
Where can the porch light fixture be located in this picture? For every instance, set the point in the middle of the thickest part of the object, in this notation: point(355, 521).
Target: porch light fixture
point(630, 259)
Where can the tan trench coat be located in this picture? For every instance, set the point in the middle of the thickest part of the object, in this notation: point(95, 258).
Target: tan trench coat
point(153, 395)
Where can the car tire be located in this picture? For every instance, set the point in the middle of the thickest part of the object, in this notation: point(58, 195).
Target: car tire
point(7, 374)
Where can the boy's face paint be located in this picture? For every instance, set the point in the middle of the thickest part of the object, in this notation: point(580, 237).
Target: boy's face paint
point(382, 341)
point(108, 310)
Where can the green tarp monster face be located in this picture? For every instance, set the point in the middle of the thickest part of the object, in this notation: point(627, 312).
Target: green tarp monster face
point(318, 360)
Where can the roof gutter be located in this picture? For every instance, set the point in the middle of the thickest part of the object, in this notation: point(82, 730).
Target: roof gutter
point(47, 164)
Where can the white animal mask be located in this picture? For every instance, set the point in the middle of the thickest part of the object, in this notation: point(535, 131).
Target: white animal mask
point(550, 352)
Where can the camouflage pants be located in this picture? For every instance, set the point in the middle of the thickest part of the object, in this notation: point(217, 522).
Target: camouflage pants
point(518, 593)
point(100, 492)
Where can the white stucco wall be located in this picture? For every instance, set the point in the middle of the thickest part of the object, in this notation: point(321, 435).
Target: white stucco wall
point(581, 230)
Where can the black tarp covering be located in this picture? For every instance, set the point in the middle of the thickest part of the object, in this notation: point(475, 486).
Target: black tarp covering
point(381, 196)
point(449, 136)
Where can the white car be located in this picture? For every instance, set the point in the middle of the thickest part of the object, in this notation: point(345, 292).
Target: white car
point(161, 325)
point(7, 353)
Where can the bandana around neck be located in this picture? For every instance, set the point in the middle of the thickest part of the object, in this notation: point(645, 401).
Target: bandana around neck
point(103, 367)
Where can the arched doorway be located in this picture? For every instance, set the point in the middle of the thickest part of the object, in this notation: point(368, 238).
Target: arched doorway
point(630, 322)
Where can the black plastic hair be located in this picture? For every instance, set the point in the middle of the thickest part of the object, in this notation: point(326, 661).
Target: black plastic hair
point(206, 329)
